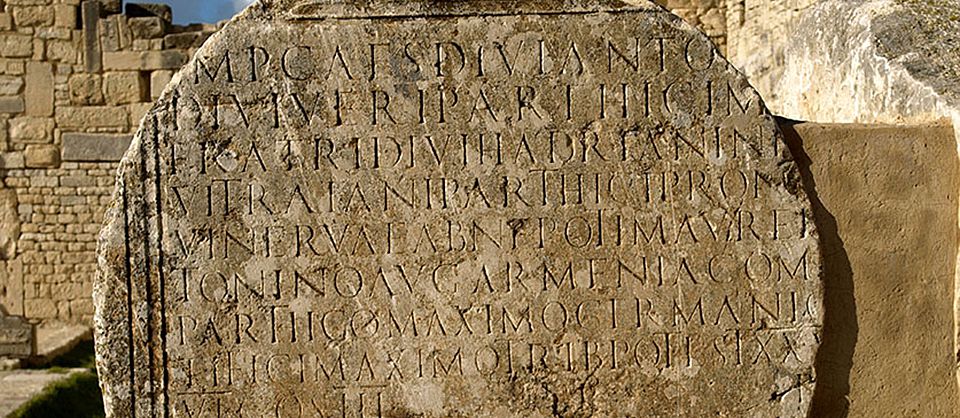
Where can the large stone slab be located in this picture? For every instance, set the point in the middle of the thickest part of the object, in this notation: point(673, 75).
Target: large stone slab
point(458, 209)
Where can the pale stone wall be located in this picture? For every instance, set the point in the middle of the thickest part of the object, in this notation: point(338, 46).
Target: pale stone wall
point(710, 16)
point(75, 79)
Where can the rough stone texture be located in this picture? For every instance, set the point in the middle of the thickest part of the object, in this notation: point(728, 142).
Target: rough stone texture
point(890, 61)
point(9, 231)
point(40, 156)
point(11, 105)
point(94, 147)
point(756, 32)
point(16, 336)
point(523, 209)
point(868, 61)
point(28, 129)
point(885, 204)
point(124, 87)
point(86, 89)
point(38, 94)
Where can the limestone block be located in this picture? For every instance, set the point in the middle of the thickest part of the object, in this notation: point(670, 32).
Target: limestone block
point(6, 22)
point(137, 111)
point(51, 33)
point(158, 81)
point(11, 160)
point(87, 117)
point(39, 50)
point(11, 105)
point(147, 27)
point(140, 45)
point(4, 132)
point(757, 35)
point(13, 66)
point(86, 89)
point(18, 340)
point(94, 147)
point(31, 129)
point(41, 156)
point(90, 12)
point(65, 16)
point(67, 52)
point(10, 85)
point(12, 45)
point(33, 16)
point(40, 308)
point(38, 92)
point(124, 87)
point(144, 60)
point(713, 21)
point(109, 33)
point(11, 275)
point(9, 224)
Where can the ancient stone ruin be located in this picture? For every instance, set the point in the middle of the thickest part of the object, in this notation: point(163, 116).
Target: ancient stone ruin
point(77, 77)
point(75, 80)
point(541, 209)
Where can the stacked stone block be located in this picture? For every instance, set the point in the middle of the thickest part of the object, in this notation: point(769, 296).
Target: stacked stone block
point(76, 76)
point(710, 16)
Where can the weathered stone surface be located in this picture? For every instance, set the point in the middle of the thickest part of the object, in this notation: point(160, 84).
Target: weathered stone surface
point(111, 6)
point(881, 61)
point(33, 16)
point(11, 105)
point(69, 117)
point(92, 59)
point(65, 16)
point(458, 209)
point(10, 85)
point(29, 129)
point(158, 81)
point(86, 89)
point(38, 93)
point(882, 193)
point(144, 61)
point(94, 147)
point(41, 156)
point(9, 233)
point(147, 27)
point(16, 336)
point(16, 45)
point(124, 87)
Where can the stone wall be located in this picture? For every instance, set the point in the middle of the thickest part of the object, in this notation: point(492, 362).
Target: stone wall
point(710, 16)
point(75, 79)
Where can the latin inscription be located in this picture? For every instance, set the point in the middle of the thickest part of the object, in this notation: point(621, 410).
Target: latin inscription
point(368, 223)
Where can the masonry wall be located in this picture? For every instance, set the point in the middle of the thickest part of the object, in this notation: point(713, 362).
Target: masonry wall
point(75, 79)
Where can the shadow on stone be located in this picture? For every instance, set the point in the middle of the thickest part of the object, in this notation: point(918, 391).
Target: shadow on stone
point(840, 329)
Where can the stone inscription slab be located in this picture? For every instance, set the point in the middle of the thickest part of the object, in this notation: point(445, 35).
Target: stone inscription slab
point(500, 209)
